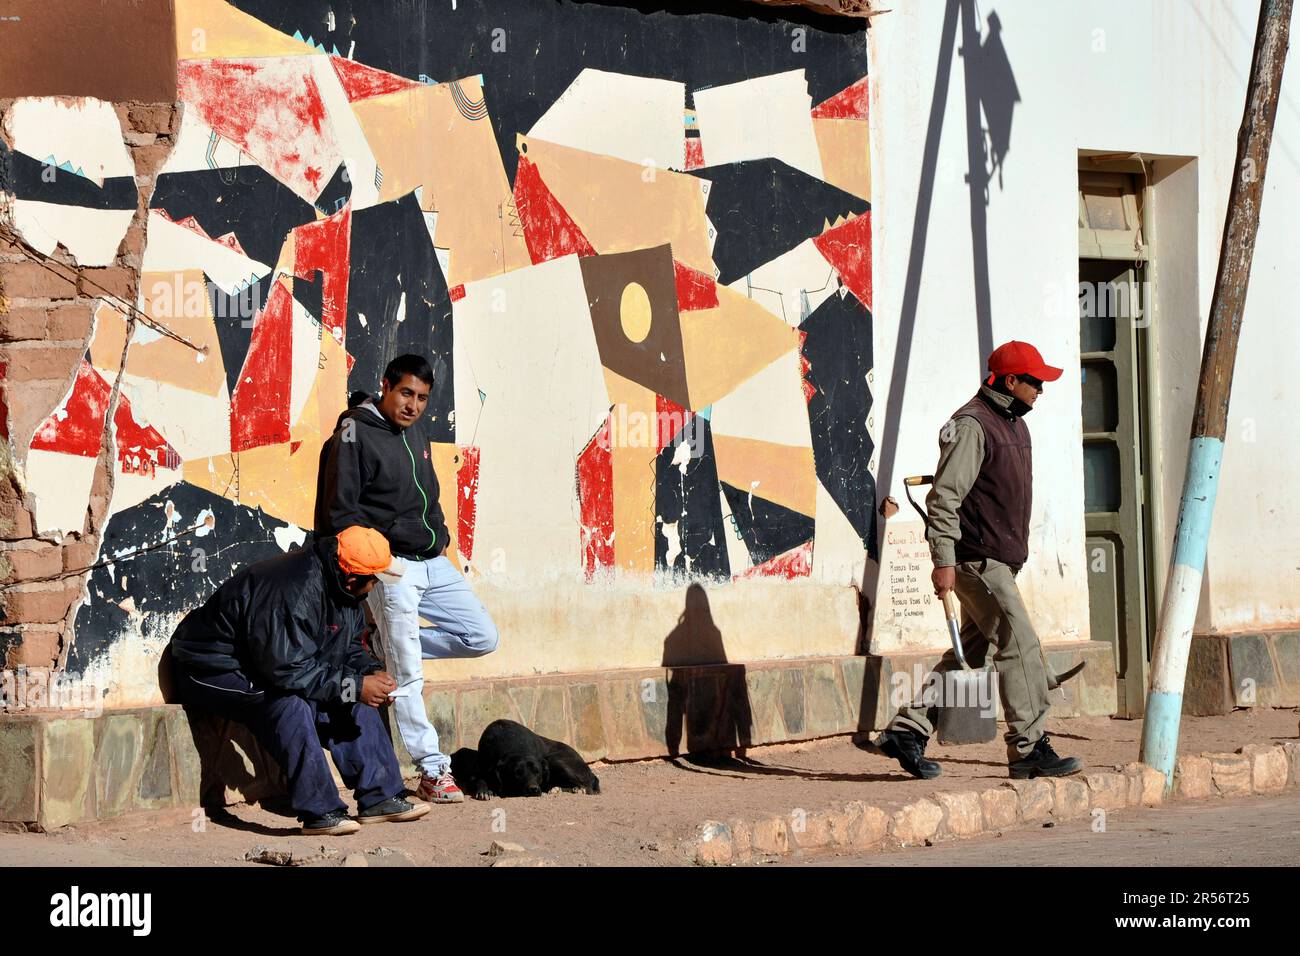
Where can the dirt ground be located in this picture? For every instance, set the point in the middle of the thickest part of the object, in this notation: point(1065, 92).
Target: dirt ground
point(645, 811)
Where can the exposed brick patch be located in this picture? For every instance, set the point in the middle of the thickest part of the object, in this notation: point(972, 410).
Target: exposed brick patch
point(114, 280)
point(32, 559)
point(23, 322)
point(45, 602)
point(33, 280)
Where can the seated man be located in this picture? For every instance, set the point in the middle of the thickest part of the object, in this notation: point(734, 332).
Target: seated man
point(278, 648)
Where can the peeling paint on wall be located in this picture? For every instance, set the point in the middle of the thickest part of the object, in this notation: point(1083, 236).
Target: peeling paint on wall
point(640, 267)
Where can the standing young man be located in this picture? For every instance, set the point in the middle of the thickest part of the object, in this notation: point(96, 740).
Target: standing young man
point(377, 471)
point(979, 510)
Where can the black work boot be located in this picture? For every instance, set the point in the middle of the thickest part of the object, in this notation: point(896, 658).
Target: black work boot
point(908, 748)
point(1043, 761)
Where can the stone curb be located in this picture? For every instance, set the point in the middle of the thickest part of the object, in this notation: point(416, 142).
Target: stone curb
point(952, 815)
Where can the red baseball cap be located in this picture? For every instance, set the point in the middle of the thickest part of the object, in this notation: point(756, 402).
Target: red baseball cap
point(1021, 358)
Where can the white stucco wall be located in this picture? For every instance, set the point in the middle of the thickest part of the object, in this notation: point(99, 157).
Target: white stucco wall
point(1161, 78)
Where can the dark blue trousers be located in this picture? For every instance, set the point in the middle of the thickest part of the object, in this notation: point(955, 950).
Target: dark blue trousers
point(293, 730)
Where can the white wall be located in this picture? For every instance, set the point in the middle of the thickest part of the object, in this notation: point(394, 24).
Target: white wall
point(1159, 78)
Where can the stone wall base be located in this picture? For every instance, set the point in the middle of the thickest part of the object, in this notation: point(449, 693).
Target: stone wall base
point(57, 769)
point(1226, 671)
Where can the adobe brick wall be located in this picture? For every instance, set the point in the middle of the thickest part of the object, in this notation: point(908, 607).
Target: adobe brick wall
point(47, 305)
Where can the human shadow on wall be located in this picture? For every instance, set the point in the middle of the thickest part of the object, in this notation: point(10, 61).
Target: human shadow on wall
point(991, 95)
point(708, 712)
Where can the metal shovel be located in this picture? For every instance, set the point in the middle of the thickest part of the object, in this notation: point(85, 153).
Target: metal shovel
point(966, 698)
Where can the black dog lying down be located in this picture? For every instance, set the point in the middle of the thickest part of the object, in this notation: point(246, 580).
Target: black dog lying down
point(512, 761)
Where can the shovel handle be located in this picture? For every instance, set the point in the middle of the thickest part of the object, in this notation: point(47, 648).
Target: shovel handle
point(954, 630)
point(949, 606)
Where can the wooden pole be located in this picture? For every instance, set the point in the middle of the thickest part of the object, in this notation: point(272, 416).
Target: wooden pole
point(1209, 425)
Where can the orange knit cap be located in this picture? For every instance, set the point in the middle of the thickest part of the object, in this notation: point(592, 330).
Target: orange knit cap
point(365, 551)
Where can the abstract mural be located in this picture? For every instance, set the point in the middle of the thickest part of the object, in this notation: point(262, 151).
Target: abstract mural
point(635, 245)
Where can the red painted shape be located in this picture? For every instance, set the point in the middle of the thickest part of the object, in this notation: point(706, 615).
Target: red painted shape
point(361, 81)
point(809, 389)
point(695, 289)
point(596, 501)
point(294, 446)
point(549, 232)
point(847, 247)
point(325, 245)
point(795, 563)
point(457, 292)
point(230, 242)
point(670, 418)
point(694, 153)
point(76, 427)
point(140, 448)
point(352, 360)
point(271, 108)
point(467, 505)
point(852, 102)
point(259, 409)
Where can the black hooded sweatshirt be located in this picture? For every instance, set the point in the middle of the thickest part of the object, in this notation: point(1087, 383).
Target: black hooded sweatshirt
point(379, 475)
point(284, 623)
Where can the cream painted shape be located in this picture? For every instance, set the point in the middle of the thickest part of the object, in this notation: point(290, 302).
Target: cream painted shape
point(781, 285)
point(524, 339)
point(767, 116)
point(174, 248)
point(636, 118)
point(60, 487)
point(769, 406)
point(91, 235)
point(83, 132)
point(193, 142)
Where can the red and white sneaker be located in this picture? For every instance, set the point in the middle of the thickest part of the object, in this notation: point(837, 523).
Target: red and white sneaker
point(441, 789)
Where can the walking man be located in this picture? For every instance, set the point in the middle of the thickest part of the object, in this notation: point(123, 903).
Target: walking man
point(377, 471)
point(979, 507)
point(278, 648)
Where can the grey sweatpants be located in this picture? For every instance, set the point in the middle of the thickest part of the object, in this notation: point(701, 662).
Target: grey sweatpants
point(993, 614)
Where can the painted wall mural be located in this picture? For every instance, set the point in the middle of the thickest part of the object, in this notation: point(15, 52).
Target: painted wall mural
point(635, 244)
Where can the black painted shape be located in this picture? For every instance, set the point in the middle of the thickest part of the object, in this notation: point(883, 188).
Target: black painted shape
point(691, 498)
point(29, 178)
point(246, 200)
point(310, 293)
point(336, 192)
point(767, 528)
point(547, 44)
point(174, 578)
point(838, 349)
point(392, 254)
point(763, 208)
point(233, 316)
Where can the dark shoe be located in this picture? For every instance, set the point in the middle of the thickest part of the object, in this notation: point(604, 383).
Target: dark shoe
point(908, 749)
point(1056, 680)
point(1043, 761)
point(393, 810)
point(334, 823)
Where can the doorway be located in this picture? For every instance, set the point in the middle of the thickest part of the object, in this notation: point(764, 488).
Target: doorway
point(1114, 306)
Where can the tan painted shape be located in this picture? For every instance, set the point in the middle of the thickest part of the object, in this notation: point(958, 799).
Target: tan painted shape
point(161, 358)
point(726, 345)
point(620, 206)
point(845, 147)
point(420, 139)
point(786, 475)
point(280, 482)
point(634, 478)
point(213, 28)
